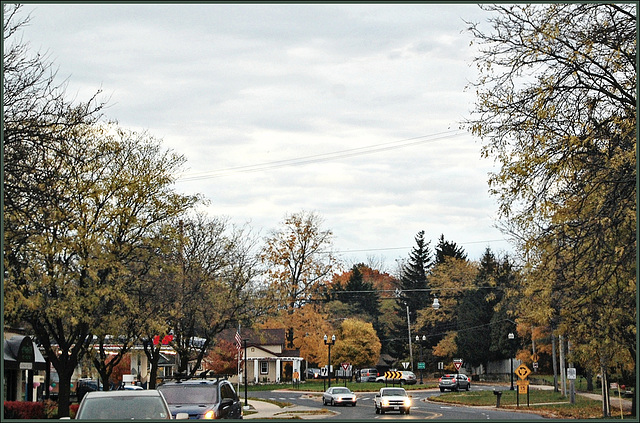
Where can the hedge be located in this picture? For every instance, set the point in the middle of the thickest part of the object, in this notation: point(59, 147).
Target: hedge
point(28, 410)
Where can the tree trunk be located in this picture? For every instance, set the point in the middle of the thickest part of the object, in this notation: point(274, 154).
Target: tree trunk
point(153, 355)
point(64, 392)
point(555, 364)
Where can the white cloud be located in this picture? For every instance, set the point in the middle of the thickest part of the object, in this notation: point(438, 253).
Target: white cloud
point(234, 85)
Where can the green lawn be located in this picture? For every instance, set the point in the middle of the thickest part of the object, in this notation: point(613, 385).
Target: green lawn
point(546, 402)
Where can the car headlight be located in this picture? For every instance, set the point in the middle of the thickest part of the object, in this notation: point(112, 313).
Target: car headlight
point(209, 415)
point(385, 402)
point(407, 402)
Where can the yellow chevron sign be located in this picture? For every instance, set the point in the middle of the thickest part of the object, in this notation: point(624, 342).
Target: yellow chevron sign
point(393, 375)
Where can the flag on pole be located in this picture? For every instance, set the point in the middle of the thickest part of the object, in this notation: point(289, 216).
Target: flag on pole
point(238, 341)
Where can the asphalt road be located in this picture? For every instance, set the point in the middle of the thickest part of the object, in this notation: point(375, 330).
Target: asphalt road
point(421, 408)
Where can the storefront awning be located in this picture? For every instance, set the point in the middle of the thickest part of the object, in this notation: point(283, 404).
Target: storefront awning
point(21, 353)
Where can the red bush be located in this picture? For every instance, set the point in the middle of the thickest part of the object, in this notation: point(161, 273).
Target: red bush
point(23, 410)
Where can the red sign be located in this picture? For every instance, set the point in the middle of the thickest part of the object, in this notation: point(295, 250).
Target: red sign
point(458, 364)
point(165, 340)
point(345, 366)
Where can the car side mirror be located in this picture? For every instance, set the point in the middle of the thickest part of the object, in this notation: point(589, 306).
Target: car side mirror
point(377, 395)
point(182, 416)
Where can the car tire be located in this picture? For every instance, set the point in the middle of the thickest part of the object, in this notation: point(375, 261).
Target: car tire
point(377, 410)
point(468, 386)
point(353, 405)
point(332, 403)
point(441, 389)
point(407, 411)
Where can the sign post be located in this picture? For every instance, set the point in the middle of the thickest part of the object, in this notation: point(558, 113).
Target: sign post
point(523, 385)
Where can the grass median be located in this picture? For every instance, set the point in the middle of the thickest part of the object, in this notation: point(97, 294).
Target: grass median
point(545, 402)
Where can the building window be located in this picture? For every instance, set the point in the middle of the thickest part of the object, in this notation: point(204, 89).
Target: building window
point(264, 367)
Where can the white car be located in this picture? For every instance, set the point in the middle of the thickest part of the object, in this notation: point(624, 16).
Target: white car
point(338, 395)
point(125, 405)
point(392, 399)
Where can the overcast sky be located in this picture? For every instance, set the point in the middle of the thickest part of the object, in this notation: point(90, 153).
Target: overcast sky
point(348, 110)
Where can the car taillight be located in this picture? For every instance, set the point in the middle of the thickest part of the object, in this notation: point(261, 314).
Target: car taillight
point(439, 380)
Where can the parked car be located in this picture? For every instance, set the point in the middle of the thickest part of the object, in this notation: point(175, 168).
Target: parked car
point(312, 373)
point(202, 399)
point(338, 395)
point(454, 382)
point(392, 399)
point(84, 386)
point(367, 375)
point(408, 378)
point(124, 405)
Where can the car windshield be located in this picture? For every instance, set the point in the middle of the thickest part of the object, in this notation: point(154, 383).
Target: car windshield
point(123, 408)
point(190, 394)
point(394, 392)
point(341, 391)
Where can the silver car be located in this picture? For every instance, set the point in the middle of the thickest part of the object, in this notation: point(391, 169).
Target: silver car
point(338, 395)
point(454, 382)
point(125, 405)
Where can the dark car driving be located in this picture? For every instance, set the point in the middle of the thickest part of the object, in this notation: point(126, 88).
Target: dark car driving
point(202, 399)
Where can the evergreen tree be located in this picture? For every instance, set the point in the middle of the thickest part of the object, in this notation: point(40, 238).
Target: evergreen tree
point(361, 297)
point(448, 249)
point(412, 289)
point(476, 312)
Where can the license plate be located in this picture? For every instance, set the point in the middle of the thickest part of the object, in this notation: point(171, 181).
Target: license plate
point(396, 408)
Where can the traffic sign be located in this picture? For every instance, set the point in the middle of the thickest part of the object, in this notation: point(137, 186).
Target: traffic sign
point(571, 373)
point(405, 364)
point(535, 357)
point(523, 386)
point(393, 375)
point(421, 365)
point(457, 362)
point(346, 366)
point(324, 371)
point(522, 371)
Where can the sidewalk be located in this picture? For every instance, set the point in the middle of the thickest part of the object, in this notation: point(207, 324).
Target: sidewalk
point(266, 410)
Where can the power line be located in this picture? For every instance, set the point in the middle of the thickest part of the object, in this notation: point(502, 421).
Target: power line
point(299, 161)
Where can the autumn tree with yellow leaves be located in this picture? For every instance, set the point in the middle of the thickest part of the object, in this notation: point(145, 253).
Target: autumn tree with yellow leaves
point(556, 108)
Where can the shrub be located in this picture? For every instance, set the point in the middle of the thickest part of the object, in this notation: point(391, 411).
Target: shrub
point(26, 410)
point(23, 410)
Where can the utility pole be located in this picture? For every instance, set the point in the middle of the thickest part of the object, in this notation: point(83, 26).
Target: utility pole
point(409, 329)
point(572, 385)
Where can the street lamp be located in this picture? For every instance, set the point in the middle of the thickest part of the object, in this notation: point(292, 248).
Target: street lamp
point(424, 338)
point(329, 344)
point(511, 338)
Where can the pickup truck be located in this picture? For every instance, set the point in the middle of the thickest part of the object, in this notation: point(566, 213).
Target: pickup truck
point(392, 399)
